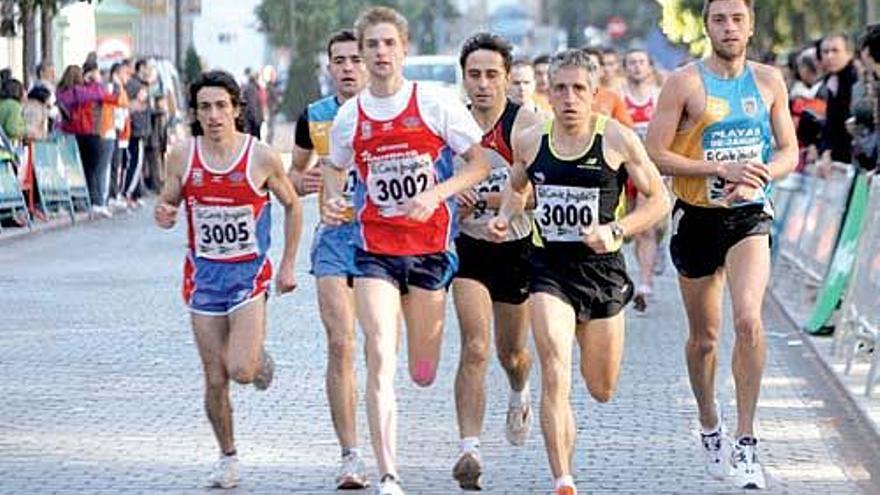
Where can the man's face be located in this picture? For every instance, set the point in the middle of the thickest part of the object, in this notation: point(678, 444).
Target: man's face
point(637, 67)
point(835, 54)
point(729, 26)
point(522, 84)
point(571, 95)
point(49, 73)
point(610, 66)
point(542, 78)
point(215, 112)
point(485, 79)
point(383, 50)
point(347, 68)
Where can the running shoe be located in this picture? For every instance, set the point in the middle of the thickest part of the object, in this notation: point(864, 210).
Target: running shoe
point(747, 471)
point(389, 485)
point(468, 471)
point(352, 473)
point(266, 372)
point(717, 449)
point(566, 490)
point(224, 474)
point(519, 423)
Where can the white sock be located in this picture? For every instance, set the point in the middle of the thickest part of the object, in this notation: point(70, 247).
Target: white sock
point(519, 398)
point(470, 444)
point(709, 431)
point(566, 480)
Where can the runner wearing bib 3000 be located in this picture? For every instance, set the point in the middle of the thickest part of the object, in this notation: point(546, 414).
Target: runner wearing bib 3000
point(717, 123)
point(577, 166)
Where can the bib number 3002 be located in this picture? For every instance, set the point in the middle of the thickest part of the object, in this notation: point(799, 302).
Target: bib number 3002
point(224, 232)
point(394, 181)
point(564, 212)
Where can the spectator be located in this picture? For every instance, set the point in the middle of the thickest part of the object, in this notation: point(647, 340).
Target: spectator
point(80, 96)
point(253, 109)
point(119, 76)
point(137, 90)
point(11, 118)
point(807, 108)
point(36, 111)
point(155, 145)
point(836, 58)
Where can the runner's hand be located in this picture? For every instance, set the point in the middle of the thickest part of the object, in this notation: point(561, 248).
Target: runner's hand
point(739, 193)
point(165, 214)
point(333, 211)
point(467, 200)
point(601, 240)
point(310, 181)
point(422, 206)
point(752, 174)
point(498, 227)
point(285, 279)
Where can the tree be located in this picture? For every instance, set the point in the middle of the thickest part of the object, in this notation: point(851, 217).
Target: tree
point(192, 65)
point(779, 24)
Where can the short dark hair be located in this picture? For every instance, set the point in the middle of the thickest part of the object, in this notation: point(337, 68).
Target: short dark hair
point(592, 50)
point(41, 67)
point(115, 68)
point(522, 62)
point(541, 59)
point(215, 79)
point(11, 89)
point(487, 41)
point(847, 42)
point(342, 36)
point(637, 50)
point(708, 3)
point(871, 41)
point(139, 63)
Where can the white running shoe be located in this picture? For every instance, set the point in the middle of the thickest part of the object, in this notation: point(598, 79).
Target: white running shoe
point(266, 372)
point(352, 474)
point(747, 471)
point(224, 474)
point(390, 486)
point(519, 422)
point(718, 450)
point(468, 471)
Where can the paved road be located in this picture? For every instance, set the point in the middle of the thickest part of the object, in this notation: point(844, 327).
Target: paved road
point(102, 392)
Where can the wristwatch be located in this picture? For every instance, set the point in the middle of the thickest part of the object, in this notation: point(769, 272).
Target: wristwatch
point(617, 231)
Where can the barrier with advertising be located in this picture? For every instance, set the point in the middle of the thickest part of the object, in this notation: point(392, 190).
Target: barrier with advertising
point(68, 153)
point(51, 178)
point(12, 203)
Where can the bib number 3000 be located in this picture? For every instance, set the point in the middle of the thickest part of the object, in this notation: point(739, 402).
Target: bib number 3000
point(224, 232)
point(564, 212)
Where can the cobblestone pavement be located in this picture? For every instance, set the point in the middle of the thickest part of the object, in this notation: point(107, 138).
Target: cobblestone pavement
point(102, 392)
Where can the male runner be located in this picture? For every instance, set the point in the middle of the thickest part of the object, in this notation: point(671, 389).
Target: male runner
point(611, 77)
point(333, 252)
point(224, 176)
point(521, 89)
point(541, 64)
point(605, 100)
point(492, 279)
point(640, 96)
point(401, 137)
point(714, 130)
point(577, 166)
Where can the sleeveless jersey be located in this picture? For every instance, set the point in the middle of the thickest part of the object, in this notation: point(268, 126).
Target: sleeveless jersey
point(397, 159)
point(734, 128)
point(228, 218)
point(641, 112)
point(321, 114)
point(574, 193)
point(497, 142)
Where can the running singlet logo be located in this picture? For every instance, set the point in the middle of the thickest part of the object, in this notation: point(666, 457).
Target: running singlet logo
point(396, 178)
point(224, 232)
point(730, 145)
point(563, 212)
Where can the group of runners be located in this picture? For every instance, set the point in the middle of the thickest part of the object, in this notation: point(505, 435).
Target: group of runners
point(521, 215)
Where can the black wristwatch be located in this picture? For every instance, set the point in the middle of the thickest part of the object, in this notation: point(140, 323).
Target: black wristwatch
point(617, 231)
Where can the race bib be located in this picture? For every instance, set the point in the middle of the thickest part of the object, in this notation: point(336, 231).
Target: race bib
point(393, 181)
point(563, 212)
point(731, 146)
point(493, 184)
point(224, 232)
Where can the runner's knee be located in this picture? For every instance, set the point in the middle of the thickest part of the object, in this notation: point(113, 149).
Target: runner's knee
point(513, 359)
point(243, 373)
point(423, 372)
point(747, 327)
point(475, 353)
point(340, 349)
point(603, 390)
point(703, 344)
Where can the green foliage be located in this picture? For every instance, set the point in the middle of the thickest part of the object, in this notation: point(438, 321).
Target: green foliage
point(192, 65)
point(780, 25)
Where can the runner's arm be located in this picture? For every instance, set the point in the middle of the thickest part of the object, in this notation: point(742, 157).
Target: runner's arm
point(278, 183)
point(302, 175)
point(785, 157)
point(518, 194)
point(645, 177)
point(476, 168)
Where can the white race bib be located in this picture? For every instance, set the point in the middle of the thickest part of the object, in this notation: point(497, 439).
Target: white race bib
point(563, 212)
point(224, 232)
point(393, 181)
point(495, 183)
point(715, 186)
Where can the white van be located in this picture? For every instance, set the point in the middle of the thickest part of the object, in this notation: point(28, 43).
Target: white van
point(437, 70)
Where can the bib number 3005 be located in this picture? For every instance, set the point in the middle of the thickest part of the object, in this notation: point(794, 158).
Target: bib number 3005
point(564, 212)
point(394, 181)
point(224, 232)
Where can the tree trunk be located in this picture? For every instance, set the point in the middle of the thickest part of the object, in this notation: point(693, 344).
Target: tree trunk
point(29, 41)
point(46, 42)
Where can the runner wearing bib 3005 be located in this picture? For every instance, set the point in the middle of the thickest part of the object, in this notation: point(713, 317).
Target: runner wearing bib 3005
point(401, 138)
point(714, 130)
point(577, 166)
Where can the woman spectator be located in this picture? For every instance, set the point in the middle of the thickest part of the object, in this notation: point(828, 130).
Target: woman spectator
point(80, 98)
point(11, 119)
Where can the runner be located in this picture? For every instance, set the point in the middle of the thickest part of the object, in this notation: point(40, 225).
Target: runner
point(605, 100)
point(521, 89)
point(492, 279)
point(224, 176)
point(333, 252)
point(640, 96)
point(577, 165)
point(401, 137)
point(714, 130)
point(541, 64)
point(612, 78)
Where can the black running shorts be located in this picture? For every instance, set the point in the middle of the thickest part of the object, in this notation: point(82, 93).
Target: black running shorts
point(701, 237)
point(503, 268)
point(596, 286)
